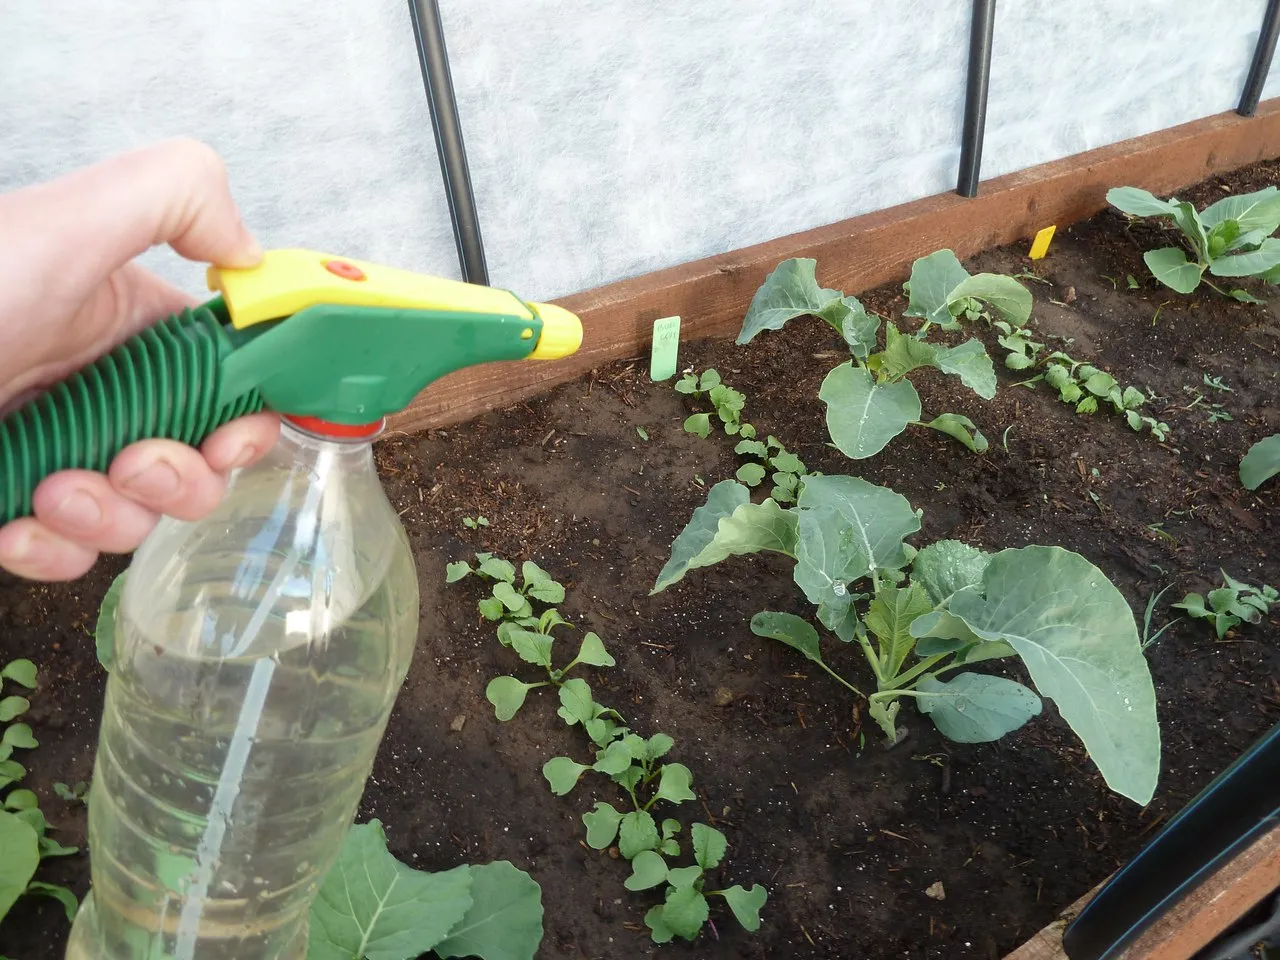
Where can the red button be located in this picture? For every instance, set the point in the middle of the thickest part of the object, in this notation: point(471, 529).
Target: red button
point(347, 271)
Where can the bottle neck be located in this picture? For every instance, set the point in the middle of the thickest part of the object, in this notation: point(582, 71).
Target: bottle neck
point(338, 432)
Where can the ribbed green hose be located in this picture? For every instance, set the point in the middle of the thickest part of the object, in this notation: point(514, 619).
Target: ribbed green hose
point(162, 383)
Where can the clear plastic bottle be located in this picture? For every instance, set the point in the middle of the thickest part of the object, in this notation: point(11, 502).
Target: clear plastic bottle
point(258, 656)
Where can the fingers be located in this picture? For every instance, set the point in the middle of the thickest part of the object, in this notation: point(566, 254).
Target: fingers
point(242, 442)
point(31, 550)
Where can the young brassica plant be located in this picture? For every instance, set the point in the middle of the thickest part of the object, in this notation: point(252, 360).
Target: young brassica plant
point(1231, 604)
point(869, 399)
point(948, 606)
point(1229, 239)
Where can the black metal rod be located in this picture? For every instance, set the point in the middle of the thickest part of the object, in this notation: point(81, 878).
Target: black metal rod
point(975, 97)
point(434, 60)
point(1261, 65)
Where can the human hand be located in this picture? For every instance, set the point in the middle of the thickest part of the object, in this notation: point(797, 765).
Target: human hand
point(69, 293)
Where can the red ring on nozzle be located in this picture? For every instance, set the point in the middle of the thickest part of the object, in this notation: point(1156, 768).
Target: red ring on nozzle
point(341, 431)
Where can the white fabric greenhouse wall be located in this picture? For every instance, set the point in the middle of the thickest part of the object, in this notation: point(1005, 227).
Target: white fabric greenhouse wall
point(605, 140)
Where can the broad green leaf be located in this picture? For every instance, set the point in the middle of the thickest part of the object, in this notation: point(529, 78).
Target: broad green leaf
point(791, 290)
point(789, 629)
point(19, 842)
point(751, 474)
point(903, 353)
point(1261, 463)
point(725, 497)
point(104, 631)
point(532, 647)
point(787, 463)
point(976, 708)
point(755, 448)
point(710, 379)
point(1077, 637)
point(576, 703)
point(531, 573)
point(21, 800)
point(684, 876)
point(699, 424)
point(960, 428)
point(1004, 295)
point(602, 825)
point(675, 782)
point(548, 591)
point(862, 415)
point(505, 918)
point(1250, 264)
point(751, 528)
point(1138, 202)
point(491, 608)
point(746, 904)
point(11, 771)
point(969, 362)
point(830, 554)
point(372, 906)
point(637, 832)
point(593, 653)
point(508, 596)
point(453, 572)
point(70, 905)
point(613, 759)
point(21, 672)
point(658, 930)
point(858, 329)
point(880, 518)
point(932, 280)
point(709, 846)
point(563, 774)
point(498, 569)
point(507, 696)
point(684, 911)
point(19, 735)
point(1257, 211)
point(11, 707)
point(648, 869)
point(656, 747)
point(890, 616)
point(1171, 267)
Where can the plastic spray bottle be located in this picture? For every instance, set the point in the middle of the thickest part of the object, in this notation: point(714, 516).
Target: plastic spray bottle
point(258, 652)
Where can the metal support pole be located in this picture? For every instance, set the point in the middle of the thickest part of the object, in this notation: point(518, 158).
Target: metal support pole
point(1261, 65)
point(975, 98)
point(434, 60)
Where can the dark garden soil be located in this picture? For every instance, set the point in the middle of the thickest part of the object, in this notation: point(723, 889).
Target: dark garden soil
point(846, 835)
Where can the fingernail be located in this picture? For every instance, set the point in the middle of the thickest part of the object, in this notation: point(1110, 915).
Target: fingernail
point(245, 458)
point(79, 509)
point(159, 481)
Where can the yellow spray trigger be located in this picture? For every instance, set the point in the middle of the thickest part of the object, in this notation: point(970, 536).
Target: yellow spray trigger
point(290, 280)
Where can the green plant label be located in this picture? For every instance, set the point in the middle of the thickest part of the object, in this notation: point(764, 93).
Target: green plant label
point(666, 349)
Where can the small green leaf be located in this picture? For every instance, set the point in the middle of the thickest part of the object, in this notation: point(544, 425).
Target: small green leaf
point(508, 595)
point(21, 800)
point(642, 433)
point(22, 672)
point(657, 747)
point(787, 628)
point(709, 846)
point(19, 735)
point(699, 424)
point(976, 708)
point(685, 911)
point(1003, 294)
point(746, 904)
point(453, 572)
point(787, 463)
point(933, 278)
point(504, 921)
point(498, 569)
point(674, 783)
point(637, 832)
point(374, 907)
point(593, 653)
point(11, 771)
point(51, 848)
point(945, 566)
point(863, 415)
point(755, 448)
point(602, 825)
point(890, 617)
point(648, 869)
point(885, 714)
point(1261, 463)
point(658, 929)
point(563, 773)
point(548, 590)
point(532, 647)
point(751, 474)
point(491, 608)
point(70, 905)
point(21, 857)
point(1170, 266)
point(507, 696)
point(960, 427)
point(1138, 202)
point(613, 759)
point(684, 876)
point(11, 707)
point(576, 704)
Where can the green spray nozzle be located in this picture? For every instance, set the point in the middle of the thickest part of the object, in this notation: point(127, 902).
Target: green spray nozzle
point(304, 334)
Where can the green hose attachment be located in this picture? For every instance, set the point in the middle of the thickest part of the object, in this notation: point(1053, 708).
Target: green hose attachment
point(164, 382)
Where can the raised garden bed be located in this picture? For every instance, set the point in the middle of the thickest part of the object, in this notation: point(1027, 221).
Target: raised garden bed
point(850, 839)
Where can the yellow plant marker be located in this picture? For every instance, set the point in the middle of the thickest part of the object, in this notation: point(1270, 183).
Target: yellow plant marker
point(666, 349)
point(1040, 246)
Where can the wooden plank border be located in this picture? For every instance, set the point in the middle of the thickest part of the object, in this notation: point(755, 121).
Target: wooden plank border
point(712, 294)
point(1195, 921)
